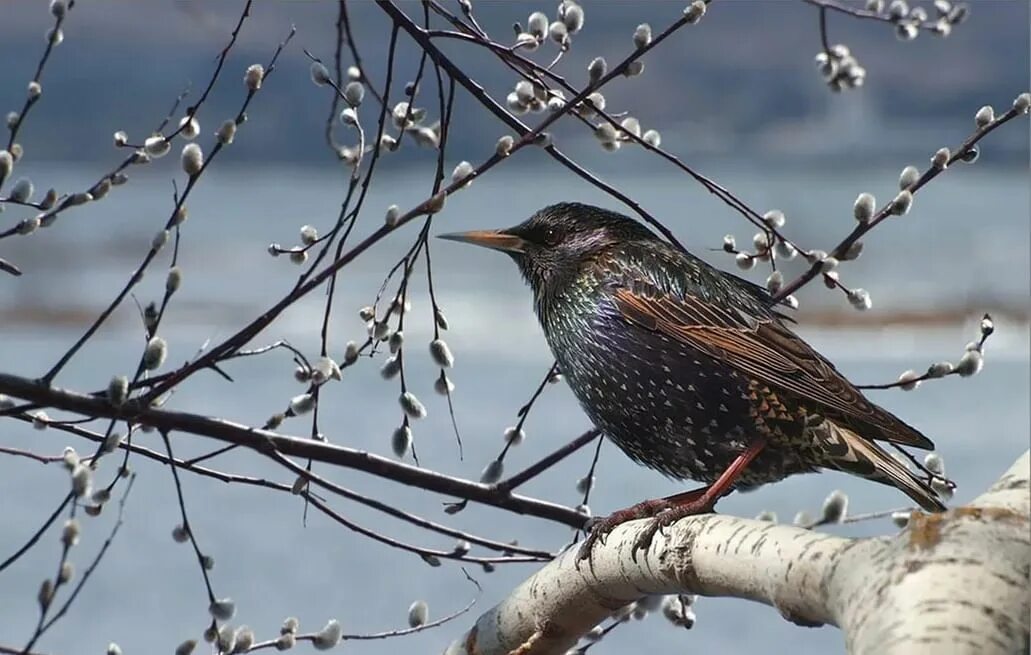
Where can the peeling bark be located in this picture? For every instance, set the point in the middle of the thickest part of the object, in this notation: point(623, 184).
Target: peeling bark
point(956, 582)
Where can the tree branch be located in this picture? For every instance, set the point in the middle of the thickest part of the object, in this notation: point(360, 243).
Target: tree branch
point(272, 444)
point(956, 581)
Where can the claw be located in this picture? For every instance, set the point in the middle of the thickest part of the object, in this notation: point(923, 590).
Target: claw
point(645, 537)
point(599, 530)
point(663, 511)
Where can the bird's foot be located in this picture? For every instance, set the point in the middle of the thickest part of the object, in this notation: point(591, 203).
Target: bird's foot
point(673, 512)
point(602, 527)
point(664, 511)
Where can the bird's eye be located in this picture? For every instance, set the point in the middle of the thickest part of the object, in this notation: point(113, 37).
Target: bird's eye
point(551, 236)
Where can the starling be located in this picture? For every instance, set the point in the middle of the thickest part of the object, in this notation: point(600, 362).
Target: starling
point(691, 370)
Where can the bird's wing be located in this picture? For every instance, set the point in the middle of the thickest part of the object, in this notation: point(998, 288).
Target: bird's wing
point(761, 348)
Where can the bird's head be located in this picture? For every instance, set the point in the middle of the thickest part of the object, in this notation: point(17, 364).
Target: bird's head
point(559, 241)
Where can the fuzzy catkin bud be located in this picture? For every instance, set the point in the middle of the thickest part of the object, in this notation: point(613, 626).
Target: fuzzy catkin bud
point(504, 146)
point(774, 218)
point(111, 442)
point(860, 299)
point(514, 436)
point(900, 519)
point(155, 353)
point(302, 404)
point(652, 138)
point(642, 35)
point(573, 17)
point(22, 190)
point(941, 158)
point(443, 385)
point(222, 609)
point(908, 177)
point(984, 116)
point(537, 25)
point(939, 370)
point(1022, 103)
point(906, 31)
point(411, 405)
point(970, 364)
point(6, 164)
point(46, 593)
point(461, 173)
point(157, 146)
point(180, 534)
point(226, 640)
point(835, 507)
point(694, 11)
point(864, 207)
point(401, 441)
point(441, 353)
point(418, 614)
point(118, 390)
point(253, 77)
point(319, 73)
point(784, 250)
point(390, 368)
point(159, 240)
point(173, 280)
point(70, 533)
point(902, 203)
point(908, 380)
point(597, 69)
point(244, 638)
point(354, 93)
point(29, 225)
point(82, 480)
point(585, 484)
point(745, 261)
point(192, 159)
point(226, 132)
point(933, 462)
point(40, 420)
point(395, 341)
point(189, 127)
point(328, 637)
point(286, 641)
point(309, 234)
point(492, 472)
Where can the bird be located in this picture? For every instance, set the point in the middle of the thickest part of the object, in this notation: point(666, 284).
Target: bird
point(690, 370)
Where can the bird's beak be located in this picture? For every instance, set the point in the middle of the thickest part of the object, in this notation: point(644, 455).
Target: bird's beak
point(496, 240)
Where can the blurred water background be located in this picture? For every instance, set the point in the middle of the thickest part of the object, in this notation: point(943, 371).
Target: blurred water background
point(741, 103)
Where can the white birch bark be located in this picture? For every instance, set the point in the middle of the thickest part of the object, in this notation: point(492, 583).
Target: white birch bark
point(949, 583)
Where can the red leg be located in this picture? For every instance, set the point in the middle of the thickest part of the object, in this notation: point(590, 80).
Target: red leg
point(673, 508)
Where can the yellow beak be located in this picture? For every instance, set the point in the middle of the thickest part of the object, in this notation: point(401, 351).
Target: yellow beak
point(493, 239)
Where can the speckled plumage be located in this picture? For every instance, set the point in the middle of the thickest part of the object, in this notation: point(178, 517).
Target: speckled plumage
point(683, 366)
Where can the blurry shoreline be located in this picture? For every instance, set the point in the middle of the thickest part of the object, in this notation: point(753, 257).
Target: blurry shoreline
point(198, 314)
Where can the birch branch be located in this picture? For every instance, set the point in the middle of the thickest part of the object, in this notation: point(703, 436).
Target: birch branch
point(955, 582)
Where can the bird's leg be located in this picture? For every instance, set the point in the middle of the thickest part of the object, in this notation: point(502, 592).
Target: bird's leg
point(670, 509)
point(691, 503)
point(642, 510)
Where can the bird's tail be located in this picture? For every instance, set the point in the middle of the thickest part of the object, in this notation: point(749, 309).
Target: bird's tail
point(851, 453)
